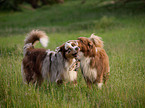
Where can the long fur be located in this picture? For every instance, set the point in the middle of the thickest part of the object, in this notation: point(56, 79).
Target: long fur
point(94, 60)
point(97, 41)
point(40, 64)
point(35, 36)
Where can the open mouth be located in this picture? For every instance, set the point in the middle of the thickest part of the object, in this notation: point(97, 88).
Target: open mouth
point(75, 54)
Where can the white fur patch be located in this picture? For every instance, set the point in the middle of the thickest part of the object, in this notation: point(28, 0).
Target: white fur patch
point(57, 49)
point(44, 41)
point(70, 76)
point(87, 71)
point(69, 45)
point(100, 85)
point(96, 50)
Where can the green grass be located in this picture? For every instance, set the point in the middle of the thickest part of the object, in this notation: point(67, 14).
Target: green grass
point(122, 28)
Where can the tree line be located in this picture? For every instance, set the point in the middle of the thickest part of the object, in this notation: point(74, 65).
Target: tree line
point(14, 4)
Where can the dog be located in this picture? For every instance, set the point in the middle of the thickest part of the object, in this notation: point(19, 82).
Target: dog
point(55, 66)
point(94, 61)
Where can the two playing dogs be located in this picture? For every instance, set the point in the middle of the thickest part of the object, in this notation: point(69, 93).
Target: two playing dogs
point(61, 65)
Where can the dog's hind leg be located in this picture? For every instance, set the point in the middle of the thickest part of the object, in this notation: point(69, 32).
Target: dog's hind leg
point(100, 81)
point(106, 77)
point(89, 83)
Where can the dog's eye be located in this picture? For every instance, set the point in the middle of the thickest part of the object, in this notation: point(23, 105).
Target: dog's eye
point(81, 41)
point(69, 50)
point(73, 44)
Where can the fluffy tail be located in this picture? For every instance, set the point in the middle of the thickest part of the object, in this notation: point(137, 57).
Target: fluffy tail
point(97, 41)
point(35, 36)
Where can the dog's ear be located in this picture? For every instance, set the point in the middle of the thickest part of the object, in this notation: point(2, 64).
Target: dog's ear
point(60, 48)
point(82, 40)
point(79, 38)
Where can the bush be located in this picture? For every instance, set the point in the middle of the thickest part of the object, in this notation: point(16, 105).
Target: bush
point(10, 4)
point(14, 4)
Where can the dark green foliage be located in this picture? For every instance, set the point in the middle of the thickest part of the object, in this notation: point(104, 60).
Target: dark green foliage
point(38, 3)
point(14, 4)
point(10, 4)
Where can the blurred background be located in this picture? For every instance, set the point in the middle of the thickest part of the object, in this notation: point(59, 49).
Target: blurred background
point(20, 16)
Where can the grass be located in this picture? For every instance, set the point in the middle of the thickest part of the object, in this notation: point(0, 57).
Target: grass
point(122, 29)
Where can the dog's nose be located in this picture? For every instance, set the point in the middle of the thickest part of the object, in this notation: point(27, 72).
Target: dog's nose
point(77, 48)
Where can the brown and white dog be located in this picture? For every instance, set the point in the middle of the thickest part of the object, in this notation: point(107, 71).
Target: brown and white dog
point(94, 61)
point(40, 64)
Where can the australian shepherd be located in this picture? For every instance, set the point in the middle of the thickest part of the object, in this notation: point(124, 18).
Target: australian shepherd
point(94, 61)
point(55, 66)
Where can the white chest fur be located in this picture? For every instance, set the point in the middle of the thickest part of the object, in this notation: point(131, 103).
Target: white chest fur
point(85, 66)
point(69, 75)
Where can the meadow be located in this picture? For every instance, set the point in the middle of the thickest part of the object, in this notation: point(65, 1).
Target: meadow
point(122, 28)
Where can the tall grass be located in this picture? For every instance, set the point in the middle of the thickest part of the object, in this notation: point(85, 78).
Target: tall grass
point(123, 36)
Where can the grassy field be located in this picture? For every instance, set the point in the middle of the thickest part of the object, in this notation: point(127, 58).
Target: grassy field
point(122, 28)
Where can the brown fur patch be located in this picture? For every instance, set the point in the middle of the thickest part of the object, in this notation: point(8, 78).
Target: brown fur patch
point(98, 59)
point(87, 47)
point(34, 36)
point(32, 64)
